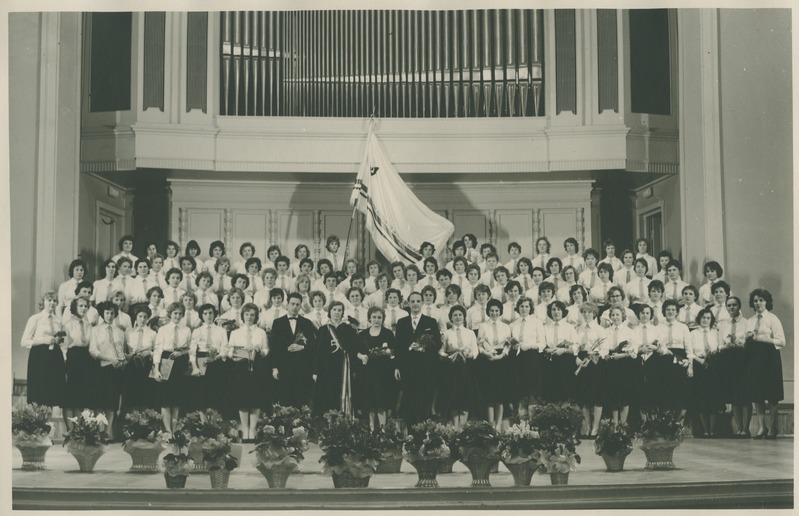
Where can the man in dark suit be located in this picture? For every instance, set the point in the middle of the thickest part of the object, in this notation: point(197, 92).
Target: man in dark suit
point(293, 342)
point(418, 342)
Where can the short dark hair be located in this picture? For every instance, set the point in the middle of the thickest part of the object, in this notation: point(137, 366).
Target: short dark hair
point(174, 270)
point(246, 245)
point(457, 308)
point(432, 260)
point(294, 295)
point(591, 252)
point(765, 294)
point(107, 305)
point(252, 260)
point(573, 241)
point(713, 265)
point(643, 262)
point(497, 303)
point(702, 312)
point(84, 284)
point(608, 242)
point(323, 261)
point(692, 289)
point(443, 273)
point(238, 276)
point(207, 306)
point(297, 250)
point(554, 260)
point(543, 239)
point(75, 263)
point(427, 244)
point(667, 303)
point(216, 244)
point(193, 245)
point(277, 291)
point(456, 244)
point(721, 284)
point(656, 284)
point(143, 260)
point(73, 306)
point(393, 291)
point(605, 267)
point(204, 274)
point(514, 245)
point(125, 238)
point(189, 259)
point(271, 249)
point(282, 259)
point(558, 304)
point(251, 307)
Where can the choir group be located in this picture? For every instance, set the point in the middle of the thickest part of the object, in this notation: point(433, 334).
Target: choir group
point(469, 336)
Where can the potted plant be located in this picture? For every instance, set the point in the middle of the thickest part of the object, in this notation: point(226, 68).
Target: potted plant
point(613, 443)
point(177, 464)
point(518, 448)
point(478, 446)
point(280, 440)
point(558, 425)
point(87, 441)
point(449, 432)
point(218, 461)
point(426, 449)
point(660, 434)
point(143, 439)
point(351, 451)
point(391, 439)
point(209, 424)
point(30, 430)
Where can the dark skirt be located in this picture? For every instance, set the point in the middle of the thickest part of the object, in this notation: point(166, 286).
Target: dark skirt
point(109, 387)
point(378, 388)
point(590, 383)
point(651, 385)
point(559, 381)
point(198, 390)
point(494, 379)
point(526, 370)
point(763, 373)
point(46, 376)
point(139, 390)
point(730, 365)
point(705, 391)
point(242, 385)
point(624, 381)
point(458, 388)
point(264, 394)
point(175, 391)
point(674, 393)
point(81, 387)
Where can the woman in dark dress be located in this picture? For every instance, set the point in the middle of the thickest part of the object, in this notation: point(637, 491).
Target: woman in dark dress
point(335, 356)
point(378, 384)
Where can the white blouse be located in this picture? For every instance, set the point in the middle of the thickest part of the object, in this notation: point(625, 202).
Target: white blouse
point(459, 339)
point(492, 335)
point(529, 332)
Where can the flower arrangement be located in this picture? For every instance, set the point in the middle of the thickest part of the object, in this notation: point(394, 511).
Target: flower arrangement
point(519, 443)
point(178, 462)
point(31, 423)
point(478, 439)
point(281, 438)
point(661, 424)
point(381, 352)
point(88, 429)
point(216, 454)
point(512, 344)
point(228, 324)
point(613, 439)
point(59, 339)
point(423, 343)
point(349, 447)
point(214, 426)
point(390, 439)
point(559, 459)
point(145, 425)
point(427, 440)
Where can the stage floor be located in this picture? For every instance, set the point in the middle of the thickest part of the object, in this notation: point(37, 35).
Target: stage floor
point(700, 462)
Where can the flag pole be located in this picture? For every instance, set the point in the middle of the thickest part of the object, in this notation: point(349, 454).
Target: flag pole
point(355, 206)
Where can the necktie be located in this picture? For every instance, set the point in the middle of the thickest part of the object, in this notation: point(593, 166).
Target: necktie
point(674, 292)
point(108, 292)
point(124, 282)
point(521, 330)
point(585, 329)
point(283, 282)
point(615, 337)
point(757, 323)
point(555, 334)
point(732, 329)
point(496, 335)
point(249, 337)
point(113, 343)
point(175, 295)
point(526, 285)
point(628, 276)
point(335, 262)
point(208, 337)
point(704, 339)
point(393, 317)
point(52, 327)
point(671, 334)
point(459, 337)
point(643, 335)
point(175, 333)
point(482, 314)
point(593, 279)
point(605, 291)
point(319, 317)
point(460, 281)
point(187, 289)
point(687, 315)
point(493, 283)
point(82, 333)
point(429, 311)
point(641, 288)
point(139, 341)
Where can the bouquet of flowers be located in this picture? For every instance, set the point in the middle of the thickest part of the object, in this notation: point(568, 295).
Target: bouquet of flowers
point(512, 344)
point(390, 439)
point(178, 462)
point(427, 440)
point(31, 423)
point(214, 426)
point(145, 425)
point(559, 459)
point(299, 343)
point(348, 446)
point(519, 443)
point(661, 424)
point(423, 343)
point(59, 339)
point(589, 357)
point(281, 438)
point(613, 439)
point(228, 324)
point(620, 349)
point(381, 352)
point(88, 429)
point(216, 454)
point(557, 423)
point(477, 439)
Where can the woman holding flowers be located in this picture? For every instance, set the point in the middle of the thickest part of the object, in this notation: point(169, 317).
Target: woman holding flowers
point(140, 390)
point(205, 355)
point(81, 369)
point(592, 348)
point(107, 345)
point(43, 336)
point(335, 355)
point(378, 386)
point(494, 340)
point(458, 391)
point(171, 363)
point(560, 339)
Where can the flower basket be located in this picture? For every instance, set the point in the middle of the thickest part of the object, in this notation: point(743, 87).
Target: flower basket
point(144, 454)
point(86, 455)
point(559, 479)
point(347, 480)
point(426, 470)
point(659, 453)
point(392, 464)
point(614, 462)
point(33, 453)
point(277, 476)
point(195, 453)
point(445, 466)
point(522, 472)
point(176, 481)
point(219, 478)
point(480, 468)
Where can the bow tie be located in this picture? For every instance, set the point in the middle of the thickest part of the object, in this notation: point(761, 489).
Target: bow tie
point(292, 318)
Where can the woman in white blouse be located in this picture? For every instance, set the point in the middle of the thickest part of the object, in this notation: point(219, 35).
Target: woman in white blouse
point(623, 367)
point(592, 377)
point(528, 366)
point(458, 390)
point(765, 338)
point(561, 348)
point(675, 361)
point(705, 382)
point(494, 364)
point(81, 369)
point(245, 344)
point(206, 354)
point(46, 361)
point(172, 344)
point(647, 337)
point(141, 391)
point(107, 346)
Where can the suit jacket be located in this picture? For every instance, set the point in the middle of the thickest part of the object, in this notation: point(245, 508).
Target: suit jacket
point(282, 337)
point(406, 335)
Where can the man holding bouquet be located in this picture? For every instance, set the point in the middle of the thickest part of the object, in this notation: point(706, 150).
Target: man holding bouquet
point(293, 338)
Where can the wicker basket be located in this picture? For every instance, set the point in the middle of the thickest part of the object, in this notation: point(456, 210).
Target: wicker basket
point(144, 454)
point(659, 454)
point(347, 480)
point(614, 462)
point(276, 476)
point(559, 479)
point(446, 465)
point(176, 482)
point(195, 453)
point(219, 478)
point(87, 456)
point(392, 465)
point(33, 455)
point(522, 472)
point(427, 469)
point(480, 468)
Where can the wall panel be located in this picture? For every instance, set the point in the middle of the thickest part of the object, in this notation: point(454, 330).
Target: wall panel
point(205, 226)
point(558, 225)
point(514, 226)
point(250, 226)
point(293, 228)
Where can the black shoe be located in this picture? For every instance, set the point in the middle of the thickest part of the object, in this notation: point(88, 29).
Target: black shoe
point(759, 436)
point(769, 436)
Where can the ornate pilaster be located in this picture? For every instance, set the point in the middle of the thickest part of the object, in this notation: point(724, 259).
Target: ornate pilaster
point(227, 231)
point(183, 226)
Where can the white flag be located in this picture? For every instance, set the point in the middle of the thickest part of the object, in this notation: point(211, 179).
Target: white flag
point(397, 220)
